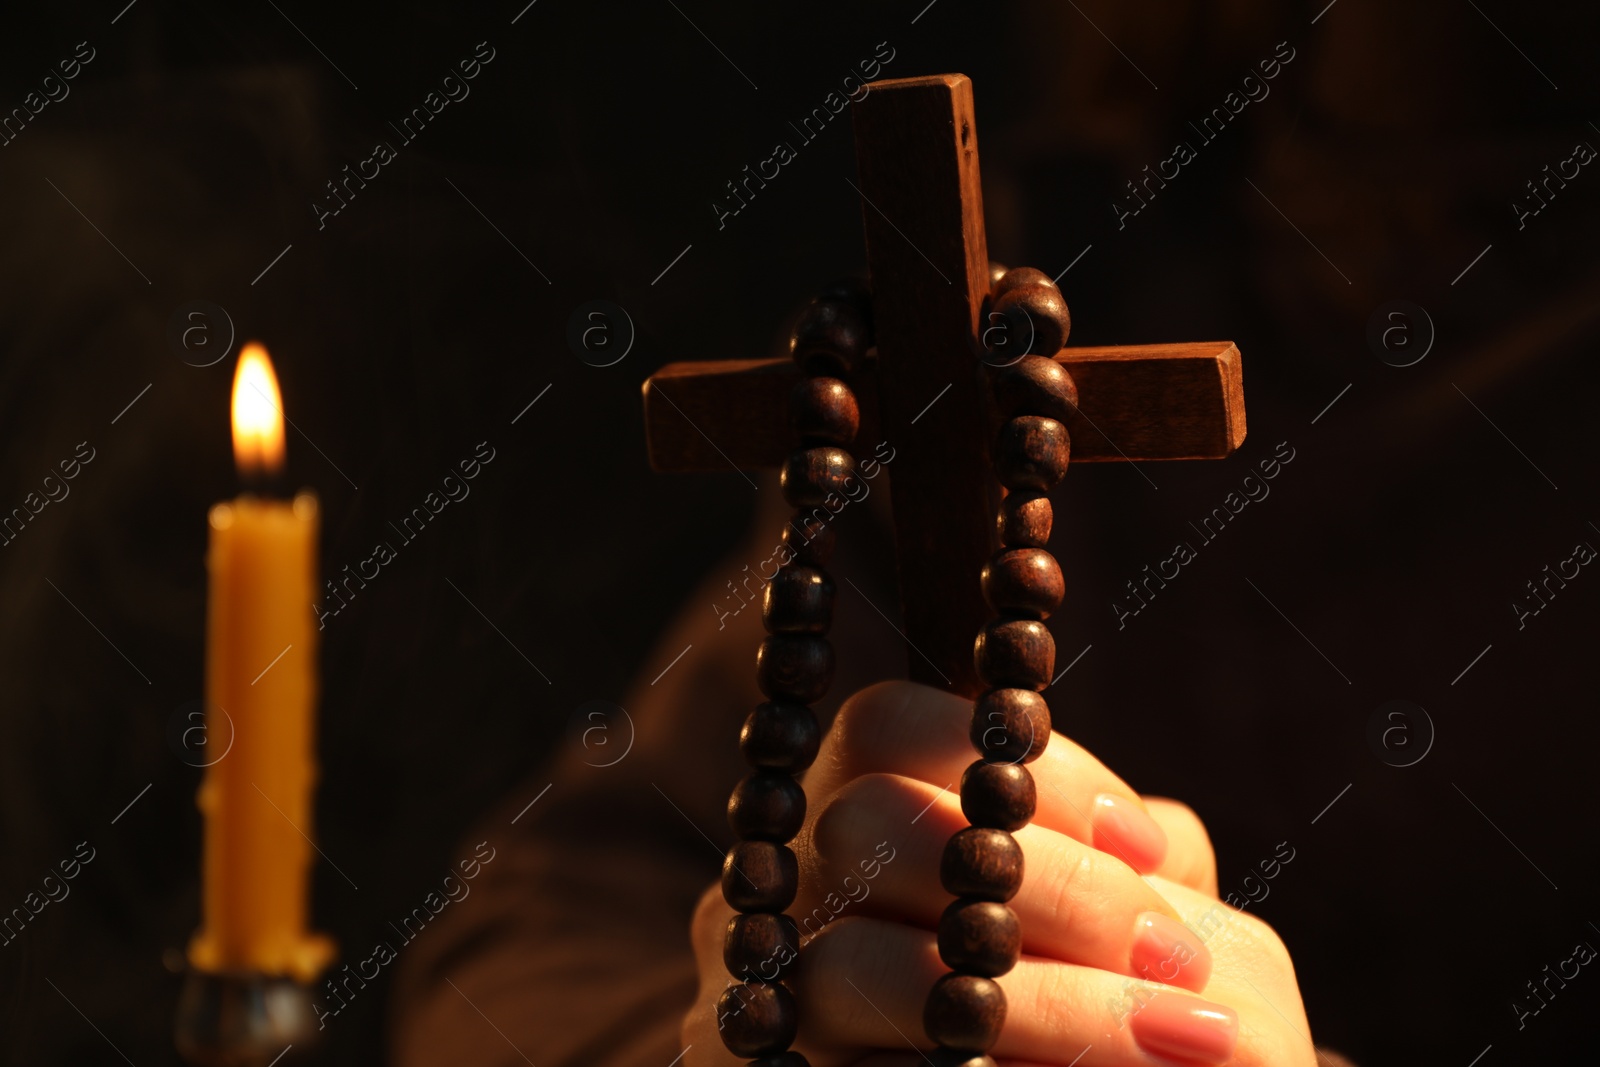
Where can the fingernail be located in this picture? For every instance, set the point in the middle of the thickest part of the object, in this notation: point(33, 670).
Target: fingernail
point(1186, 1028)
point(1164, 950)
point(1122, 828)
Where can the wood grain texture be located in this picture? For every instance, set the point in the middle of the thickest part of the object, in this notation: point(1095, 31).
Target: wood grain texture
point(1155, 402)
point(922, 210)
point(927, 394)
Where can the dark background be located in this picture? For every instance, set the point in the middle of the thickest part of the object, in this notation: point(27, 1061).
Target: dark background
point(409, 329)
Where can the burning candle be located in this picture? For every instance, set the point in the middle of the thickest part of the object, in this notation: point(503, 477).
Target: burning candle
point(261, 691)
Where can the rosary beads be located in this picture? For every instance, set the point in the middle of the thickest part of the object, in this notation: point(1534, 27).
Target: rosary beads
point(793, 667)
point(979, 937)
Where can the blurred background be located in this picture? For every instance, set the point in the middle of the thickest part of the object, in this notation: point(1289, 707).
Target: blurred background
point(1384, 163)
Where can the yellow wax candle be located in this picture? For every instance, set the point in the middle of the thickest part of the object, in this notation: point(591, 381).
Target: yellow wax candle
point(261, 692)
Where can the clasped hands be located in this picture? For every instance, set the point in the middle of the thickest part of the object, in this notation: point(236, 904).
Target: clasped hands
point(1128, 957)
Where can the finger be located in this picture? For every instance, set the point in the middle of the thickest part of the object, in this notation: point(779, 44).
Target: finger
point(917, 1059)
point(700, 1030)
point(920, 732)
point(1253, 973)
point(1075, 904)
point(865, 983)
point(1190, 859)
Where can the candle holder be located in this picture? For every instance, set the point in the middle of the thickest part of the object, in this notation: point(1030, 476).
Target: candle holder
point(242, 1019)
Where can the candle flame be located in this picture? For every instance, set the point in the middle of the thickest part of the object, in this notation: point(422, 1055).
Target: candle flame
point(257, 414)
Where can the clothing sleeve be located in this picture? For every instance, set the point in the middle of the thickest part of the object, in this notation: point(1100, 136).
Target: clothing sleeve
point(573, 948)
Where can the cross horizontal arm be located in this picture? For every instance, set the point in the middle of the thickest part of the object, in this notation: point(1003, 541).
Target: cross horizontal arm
point(1136, 403)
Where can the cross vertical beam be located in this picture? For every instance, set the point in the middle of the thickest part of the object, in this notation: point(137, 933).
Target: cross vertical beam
point(917, 159)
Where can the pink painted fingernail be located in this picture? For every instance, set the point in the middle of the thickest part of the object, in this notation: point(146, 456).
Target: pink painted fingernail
point(1186, 1028)
point(1164, 950)
point(1124, 829)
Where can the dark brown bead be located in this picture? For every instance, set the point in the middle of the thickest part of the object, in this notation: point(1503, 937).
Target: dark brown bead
point(799, 600)
point(965, 1011)
point(812, 475)
point(782, 1059)
point(757, 1018)
point(1035, 316)
point(767, 806)
point(1025, 519)
point(1036, 385)
point(980, 862)
point(810, 535)
point(1032, 453)
point(782, 737)
point(853, 291)
point(824, 411)
point(1010, 725)
point(996, 272)
point(953, 1057)
point(1026, 581)
point(759, 876)
point(1015, 653)
point(794, 667)
point(760, 947)
point(831, 337)
point(979, 937)
point(1019, 278)
point(999, 795)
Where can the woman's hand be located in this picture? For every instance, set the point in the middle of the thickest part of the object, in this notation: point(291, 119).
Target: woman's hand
point(1111, 960)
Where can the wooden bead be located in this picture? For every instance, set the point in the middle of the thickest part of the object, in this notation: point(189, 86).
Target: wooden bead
point(1036, 318)
point(824, 411)
point(759, 876)
point(799, 600)
point(1036, 385)
point(1010, 725)
point(996, 272)
point(1019, 278)
point(811, 475)
point(980, 862)
point(853, 291)
point(998, 795)
point(979, 937)
point(1032, 453)
point(782, 737)
point(965, 1011)
point(782, 1059)
point(810, 537)
point(757, 1018)
point(768, 806)
point(794, 667)
point(1026, 581)
point(831, 337)
point(761, 947)
point(1015, 653)
point(1025, 519)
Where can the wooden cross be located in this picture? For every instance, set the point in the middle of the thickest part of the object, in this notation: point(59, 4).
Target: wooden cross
point(927, 394)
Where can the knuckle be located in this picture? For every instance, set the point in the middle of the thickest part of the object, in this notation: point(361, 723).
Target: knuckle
point(843, 950)
point(848, 818)
point(859, 727)
point(1075, 886)
point(1265, 941)
point(1055, 998)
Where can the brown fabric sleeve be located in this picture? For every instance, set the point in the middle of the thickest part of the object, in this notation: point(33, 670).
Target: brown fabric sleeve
point(573, 946)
